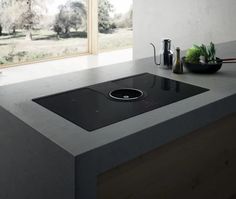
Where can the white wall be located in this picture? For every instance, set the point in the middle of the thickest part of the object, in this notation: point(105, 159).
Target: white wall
point(184, 21)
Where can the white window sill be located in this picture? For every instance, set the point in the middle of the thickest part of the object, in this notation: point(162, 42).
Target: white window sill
point(51, 68)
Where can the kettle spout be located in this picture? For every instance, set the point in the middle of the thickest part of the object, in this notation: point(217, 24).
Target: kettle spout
point(155, 56)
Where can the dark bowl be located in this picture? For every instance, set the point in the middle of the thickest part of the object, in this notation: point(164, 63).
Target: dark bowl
point(203, 68)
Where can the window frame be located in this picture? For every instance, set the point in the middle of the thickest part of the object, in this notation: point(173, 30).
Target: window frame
point(93, 26)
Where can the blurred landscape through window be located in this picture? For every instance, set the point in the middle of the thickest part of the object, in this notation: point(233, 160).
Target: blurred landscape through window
point(32, 30)
point(115, 24)
point(35, 30)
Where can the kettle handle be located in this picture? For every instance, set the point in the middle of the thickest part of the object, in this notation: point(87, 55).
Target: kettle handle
point(155, 58)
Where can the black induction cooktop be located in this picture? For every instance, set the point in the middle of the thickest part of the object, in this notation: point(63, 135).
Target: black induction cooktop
point(103, 104)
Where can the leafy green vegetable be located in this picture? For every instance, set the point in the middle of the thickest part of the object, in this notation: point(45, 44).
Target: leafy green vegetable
point(195, 53)
point(211, 52)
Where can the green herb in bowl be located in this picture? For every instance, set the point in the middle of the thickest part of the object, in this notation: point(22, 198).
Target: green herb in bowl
point(193, 55)
point(201, 59)
point(203, 53)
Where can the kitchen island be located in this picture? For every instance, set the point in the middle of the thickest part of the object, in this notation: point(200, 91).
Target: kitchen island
point(44, 156)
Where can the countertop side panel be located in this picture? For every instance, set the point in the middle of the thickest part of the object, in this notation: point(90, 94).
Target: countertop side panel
point(31, 166)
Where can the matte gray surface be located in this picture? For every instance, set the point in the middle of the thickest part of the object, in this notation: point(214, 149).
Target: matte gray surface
point(185, 22)
point(105, 148)
point(31, 166)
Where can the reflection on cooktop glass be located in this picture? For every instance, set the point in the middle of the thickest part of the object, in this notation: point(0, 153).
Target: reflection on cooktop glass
point(103, 104)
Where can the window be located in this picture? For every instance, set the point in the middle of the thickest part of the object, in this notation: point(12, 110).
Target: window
point(35, 30)
point(115, 24)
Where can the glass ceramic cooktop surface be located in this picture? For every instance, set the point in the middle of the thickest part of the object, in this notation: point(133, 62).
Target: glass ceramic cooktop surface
point(93, 107)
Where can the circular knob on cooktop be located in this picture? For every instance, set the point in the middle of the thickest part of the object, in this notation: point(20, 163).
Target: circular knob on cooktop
point(126, 94)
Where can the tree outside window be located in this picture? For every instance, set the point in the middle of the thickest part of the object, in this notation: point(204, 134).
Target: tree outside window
point(115, 24)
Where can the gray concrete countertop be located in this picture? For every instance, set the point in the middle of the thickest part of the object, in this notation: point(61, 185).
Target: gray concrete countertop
point(17, 99)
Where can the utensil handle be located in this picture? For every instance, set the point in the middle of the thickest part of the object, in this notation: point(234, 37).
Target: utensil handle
point(229, 62)
point(228, 59)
